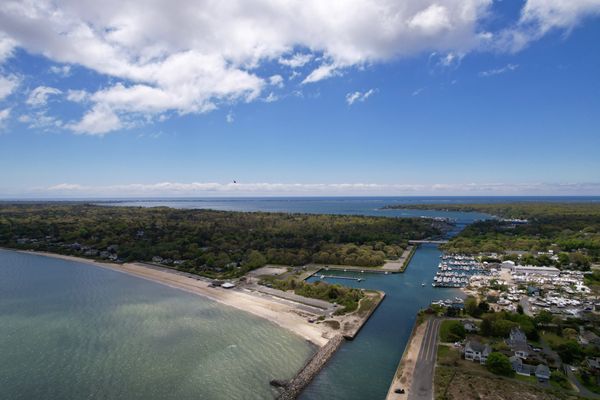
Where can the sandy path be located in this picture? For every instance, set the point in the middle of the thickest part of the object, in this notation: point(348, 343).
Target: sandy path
point(404, 375)
point(284, 315)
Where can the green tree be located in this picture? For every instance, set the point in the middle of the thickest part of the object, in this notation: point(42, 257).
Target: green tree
point(520, 309)
point(499, 364)
point(471, 306)
point(570, 351)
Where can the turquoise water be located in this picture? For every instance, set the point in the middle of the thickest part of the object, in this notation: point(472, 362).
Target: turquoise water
point(74, 331)
point(363, 368)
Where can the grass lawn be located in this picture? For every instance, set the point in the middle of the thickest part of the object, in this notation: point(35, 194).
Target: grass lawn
point(528, 379)
point(553, 340)
point(445, 334)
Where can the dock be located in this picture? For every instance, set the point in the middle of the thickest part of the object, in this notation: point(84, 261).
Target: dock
point(341, 277)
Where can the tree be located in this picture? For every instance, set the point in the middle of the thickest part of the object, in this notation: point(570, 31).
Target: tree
point(471, 306)
point(486, 326)
point(499, 364)
point(544, 317)
point(569, 351)
point(255, 259)
point(483, 307)
point(520, 309)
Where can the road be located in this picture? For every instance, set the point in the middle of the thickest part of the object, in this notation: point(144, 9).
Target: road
point(583, 391)
point(422, 385)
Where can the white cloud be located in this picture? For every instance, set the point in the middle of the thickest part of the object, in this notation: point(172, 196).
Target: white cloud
point(498, 71)
point(7, 46)
point(77, 96)
point(39, 95)
point(201, 54)
point(98, 121)
point(230, 117)
point(41, 120)
point(271, 98)
point(8, 85)
point(276, 80)
point(4, 114)
point(353, 97)
point(538, 17)
point(267, 188)
point(322, 72)
point(431, 20)
point(297, 60)
point(62, 70)
point(417, 92)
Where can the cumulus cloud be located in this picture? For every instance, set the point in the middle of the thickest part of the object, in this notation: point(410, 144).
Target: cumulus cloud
point(39, 95)
point(7, 46)
point(62, 70)
point(265, 188)
point(498, 71)
point(77, 96)
point(353, 97)
point(7, 85)
point(98, 121)
point(297, 60)
point(538, 17)
point(4, 114)
point(276, 80)
point(202, 54)
point(41, 120)
point(322, 72)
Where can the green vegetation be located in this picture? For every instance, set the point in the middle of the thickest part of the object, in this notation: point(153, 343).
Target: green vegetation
point(452, 331)
point(572, 230)
point(559, 379)
point(497, 363)
point(348, 298)
point(206, 242)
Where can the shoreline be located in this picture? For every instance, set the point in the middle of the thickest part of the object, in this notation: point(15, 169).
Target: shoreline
point(284, 315)
point(403, 377)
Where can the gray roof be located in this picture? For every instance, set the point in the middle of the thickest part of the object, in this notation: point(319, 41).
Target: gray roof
point(478, 347)
point(542, 370)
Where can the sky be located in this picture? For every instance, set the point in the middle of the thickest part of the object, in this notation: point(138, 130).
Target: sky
point(136, 98)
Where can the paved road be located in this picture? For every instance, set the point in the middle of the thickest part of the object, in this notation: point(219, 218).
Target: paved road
point(583, 391)
point(422, 384)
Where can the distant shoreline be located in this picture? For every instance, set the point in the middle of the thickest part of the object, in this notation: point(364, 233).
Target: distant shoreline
point(286, 316)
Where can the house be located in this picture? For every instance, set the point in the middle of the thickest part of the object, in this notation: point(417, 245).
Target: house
point(589, 337)
point(475, 351)
point(521, 350)
point(516, 336)
point(542, 373)
point(519, 367)
point(517, 341)
point(593, 364)
point(469, 326)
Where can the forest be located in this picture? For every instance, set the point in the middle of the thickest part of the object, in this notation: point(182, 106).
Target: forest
point(570, 230)
point(206, 242)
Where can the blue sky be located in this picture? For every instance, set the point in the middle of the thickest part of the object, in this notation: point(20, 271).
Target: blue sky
point(434, 97)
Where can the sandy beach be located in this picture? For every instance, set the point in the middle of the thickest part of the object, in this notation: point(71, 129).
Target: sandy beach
point(285, 315)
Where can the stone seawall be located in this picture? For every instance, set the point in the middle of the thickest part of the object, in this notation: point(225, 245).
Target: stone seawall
point(293, 389)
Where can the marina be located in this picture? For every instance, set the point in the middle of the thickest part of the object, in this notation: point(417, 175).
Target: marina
point(456, 271)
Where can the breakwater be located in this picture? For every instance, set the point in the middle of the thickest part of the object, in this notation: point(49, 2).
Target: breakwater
point(293, 389)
